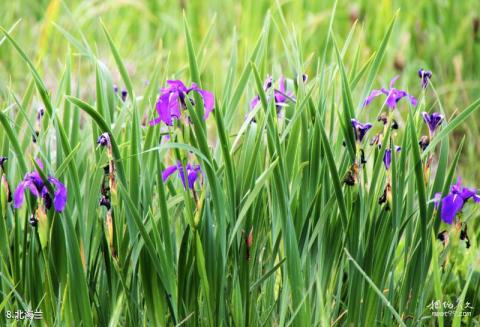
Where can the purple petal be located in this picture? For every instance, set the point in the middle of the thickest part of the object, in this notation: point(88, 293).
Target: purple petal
point(208, 102)
point(412, 100)
point(387, 158)
point(168, 171)
point(281, 84)
point(176, 85)
point(373, 95)
point(155, 121)
point(60, 199)
point(393, 97)
point(33, 188)
point(39, 163)
point(437, 198)
point(451, 205)
point(254, 102)
point(467, 193)
point(192, 177)
point(163, 111)
point(19, 195)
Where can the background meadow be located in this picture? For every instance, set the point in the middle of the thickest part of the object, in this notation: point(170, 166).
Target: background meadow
point(270, 233)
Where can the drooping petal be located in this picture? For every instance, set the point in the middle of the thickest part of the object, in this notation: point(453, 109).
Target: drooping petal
point(162, 107)
point(34, 189)
point(192, 177)
point(412, 100)
point(19, 195)
point(60, 196)
point(451, 205)
point(373, 95)
point(208, 102)
point(168, 171)
point(467, 193)
point(174, 106)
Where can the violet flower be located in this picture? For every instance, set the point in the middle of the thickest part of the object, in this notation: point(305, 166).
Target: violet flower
point(34, 182)
point(193, 172)
point(454, 201)
point(281, 96)
point(173, 98)
point(425, 75)
point(124, 94)
point(360, 129)
point(432, 120)
point(387, 157)
point(393, 95)
point(104, 140)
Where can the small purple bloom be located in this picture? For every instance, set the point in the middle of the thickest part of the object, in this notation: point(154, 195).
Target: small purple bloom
point(281, 96)
point(393, 95)
point(360, 129)
point(104, 140)
point(124, 94)
point(387, 157)
point(173, 98)
point(425, 75)
point(454, 201)
point(33, 182)
point(40, 113)
point(193, 172)
point(433, 120)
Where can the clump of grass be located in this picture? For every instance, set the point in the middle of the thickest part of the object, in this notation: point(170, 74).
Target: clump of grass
point(275, 211)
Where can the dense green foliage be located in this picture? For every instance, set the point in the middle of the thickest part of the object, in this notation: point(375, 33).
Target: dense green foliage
point(271, 234)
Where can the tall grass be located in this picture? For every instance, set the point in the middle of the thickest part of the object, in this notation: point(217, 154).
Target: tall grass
point(271, 234)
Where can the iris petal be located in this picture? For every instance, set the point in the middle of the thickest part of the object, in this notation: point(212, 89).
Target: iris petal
point(19, 195)
point(168, 171)
point(451, 205)
point(60, 197)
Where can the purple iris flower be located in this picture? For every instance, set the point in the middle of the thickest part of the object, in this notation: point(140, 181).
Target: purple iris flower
point(360, 129)
point(454, 201)
point(425, 75)
point(33, 181)
point(281, 96)
point(433, 120)
point(393, 95)
point(387, 157)
point(193, 172)
point(174, 96)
